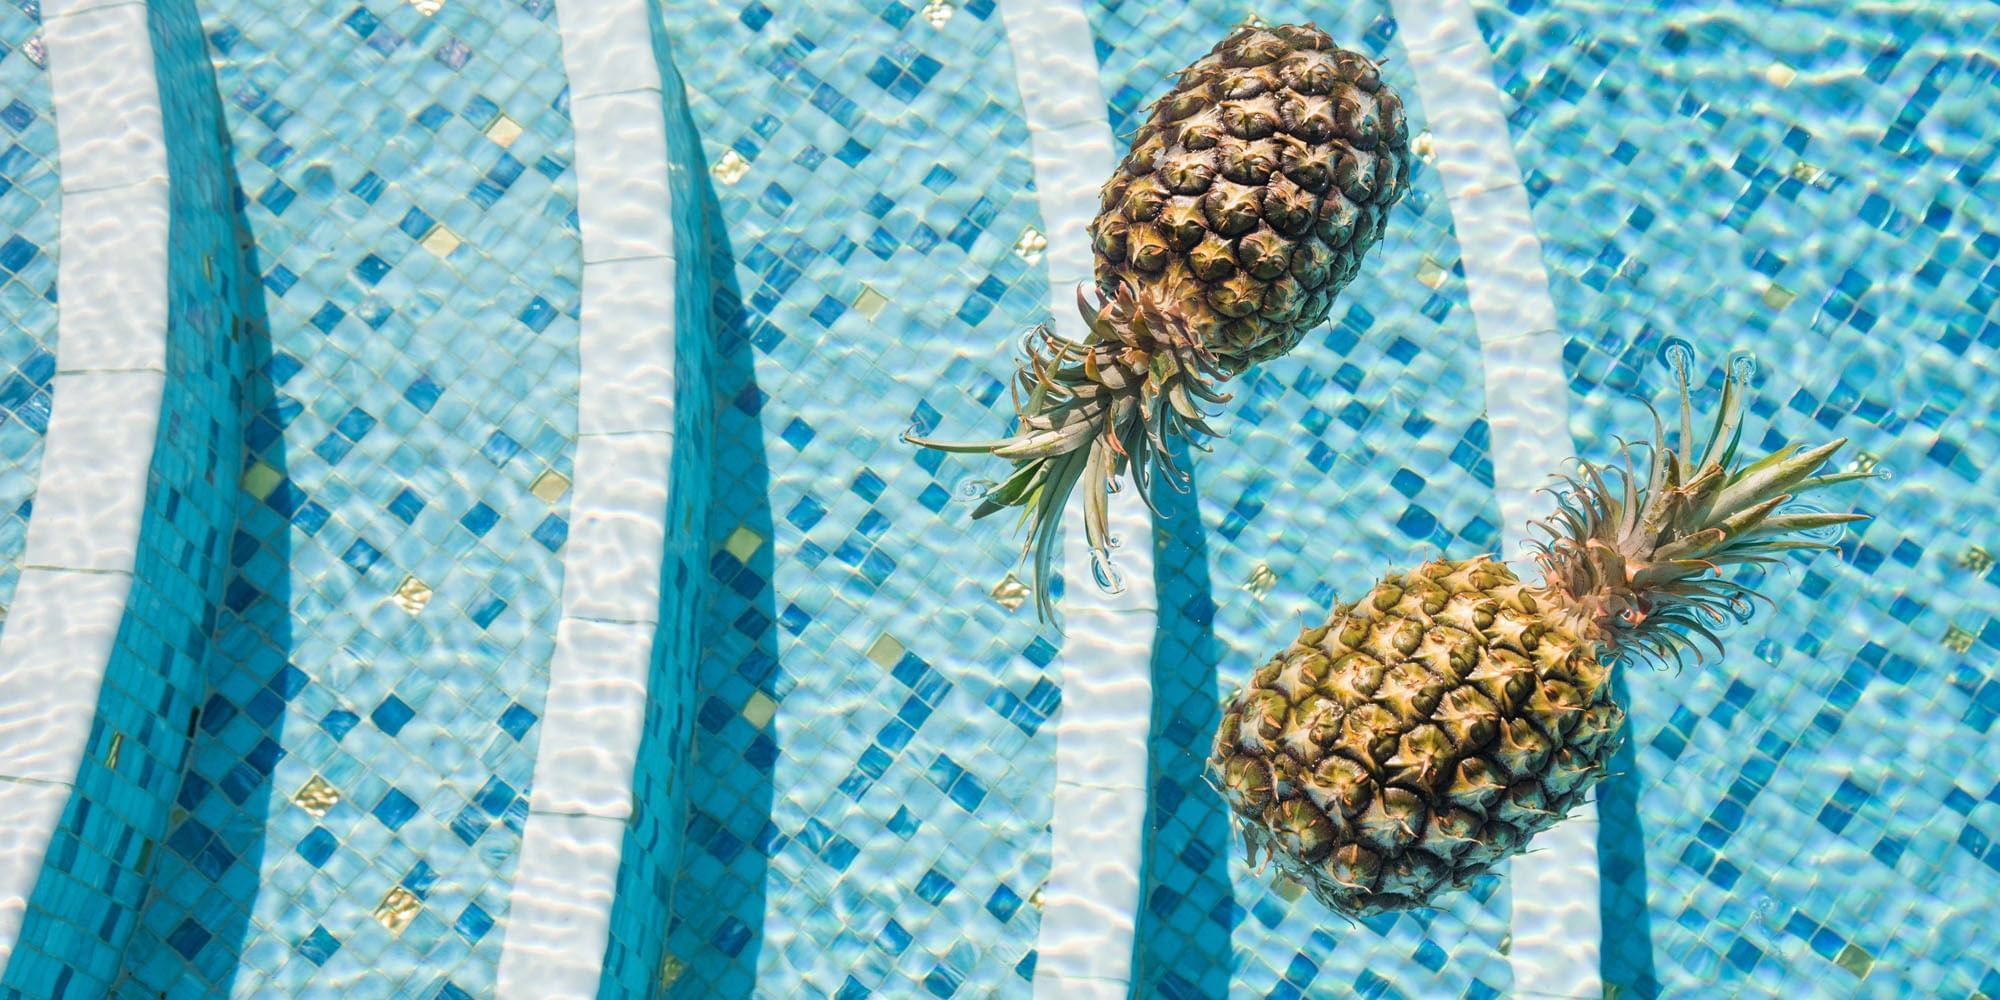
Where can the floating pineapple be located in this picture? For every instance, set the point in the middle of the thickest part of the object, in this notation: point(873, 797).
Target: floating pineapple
point(1428, 730)
point(1247, 201)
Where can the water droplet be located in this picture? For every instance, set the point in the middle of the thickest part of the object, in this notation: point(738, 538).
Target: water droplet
point(1105, 574)
point(1743, 368)
point(974, 490)
point(1678, 354)
point(1114, 540)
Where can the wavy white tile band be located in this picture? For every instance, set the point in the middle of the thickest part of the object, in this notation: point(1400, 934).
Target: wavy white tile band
point(559, 917)
point(1091, 901)
point(1556, 925)
point(111, 344)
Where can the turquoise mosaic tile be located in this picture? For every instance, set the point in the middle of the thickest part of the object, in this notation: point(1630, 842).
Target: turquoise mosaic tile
point(869, 792)
point(1815, 813)
point(356, 791)
point(87, 901)
point(1362, 450)
point(30, 195)
point(635, 960)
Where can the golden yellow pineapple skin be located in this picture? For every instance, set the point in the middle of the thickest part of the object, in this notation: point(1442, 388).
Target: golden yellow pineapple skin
point(1254, 188)
point(1418, 737)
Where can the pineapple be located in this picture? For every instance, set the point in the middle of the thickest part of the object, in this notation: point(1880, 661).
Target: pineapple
point(1428, 730)
point(1246, 204)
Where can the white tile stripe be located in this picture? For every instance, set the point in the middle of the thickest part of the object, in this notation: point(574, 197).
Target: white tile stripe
point(559, 917)
point(1091, 900)
point(111, 336)
point(1556, 926)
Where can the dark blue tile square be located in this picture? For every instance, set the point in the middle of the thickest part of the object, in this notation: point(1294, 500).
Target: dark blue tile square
point(318, 846)
point(395, 809)
point(473, 923)
point(406, 505)
point(516, 721)
point(319, 946)
point(480, 519)
point(392, 715)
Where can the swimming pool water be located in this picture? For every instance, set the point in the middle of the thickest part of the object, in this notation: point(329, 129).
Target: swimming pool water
point(377, 287)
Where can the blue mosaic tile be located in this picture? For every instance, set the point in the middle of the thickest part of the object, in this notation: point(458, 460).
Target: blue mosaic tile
point(112, 837)
point(30, 198)
point(383, 644)
point(1807, 187)
point(1371, 432)
point(823, 704)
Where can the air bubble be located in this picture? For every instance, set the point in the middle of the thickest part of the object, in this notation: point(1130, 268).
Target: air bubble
point(1826, 535)
point(1678, 354)
point(1105, 574)
point(1743, 368)
point(974, 490)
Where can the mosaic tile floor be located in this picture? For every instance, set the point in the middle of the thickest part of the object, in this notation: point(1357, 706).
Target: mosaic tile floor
point(29, 204)
point(1814, 815)
point(1817, 814)
point(871, 765)
point(357, 787)
point(1363, 449)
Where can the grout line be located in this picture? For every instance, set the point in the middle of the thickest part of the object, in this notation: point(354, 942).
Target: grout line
point(1096, 833)
point(98, 449)
point(558, 925)
point(1556, 925)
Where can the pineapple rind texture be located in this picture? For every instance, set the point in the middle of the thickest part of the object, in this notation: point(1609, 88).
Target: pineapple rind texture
point(1420, 736)
point(1255, 188)
point(1429, 730)
point(1246, 203)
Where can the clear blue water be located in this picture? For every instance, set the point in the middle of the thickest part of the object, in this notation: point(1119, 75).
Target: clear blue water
point(869, 770)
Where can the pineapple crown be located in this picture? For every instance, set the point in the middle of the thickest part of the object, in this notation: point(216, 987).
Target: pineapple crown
point(1092, 410)
point(1642, 561)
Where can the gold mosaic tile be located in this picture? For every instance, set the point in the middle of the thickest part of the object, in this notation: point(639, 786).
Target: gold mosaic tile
point(1010, 592)
point(260, 479)
point(1288, 889)
point(730, 168)
point(1431, 273)
point(1958, 640)
point(1976, 560)
point(1260, 581)
point(870, 303)
point(1780, 75)
point(412, 595)
point(1777, 296)
point(504, 131)
point(397, 909)
point(938, 12)
point(550, 486)
point(759, 709)
point(886, 651)
point(1031, 245)
point(1865, 461)
point(441, 241)
point(671, 969)
point(316, 796)
point(1855, 960)
point(427, 7)
point(743, 543)
point(1424, 146)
